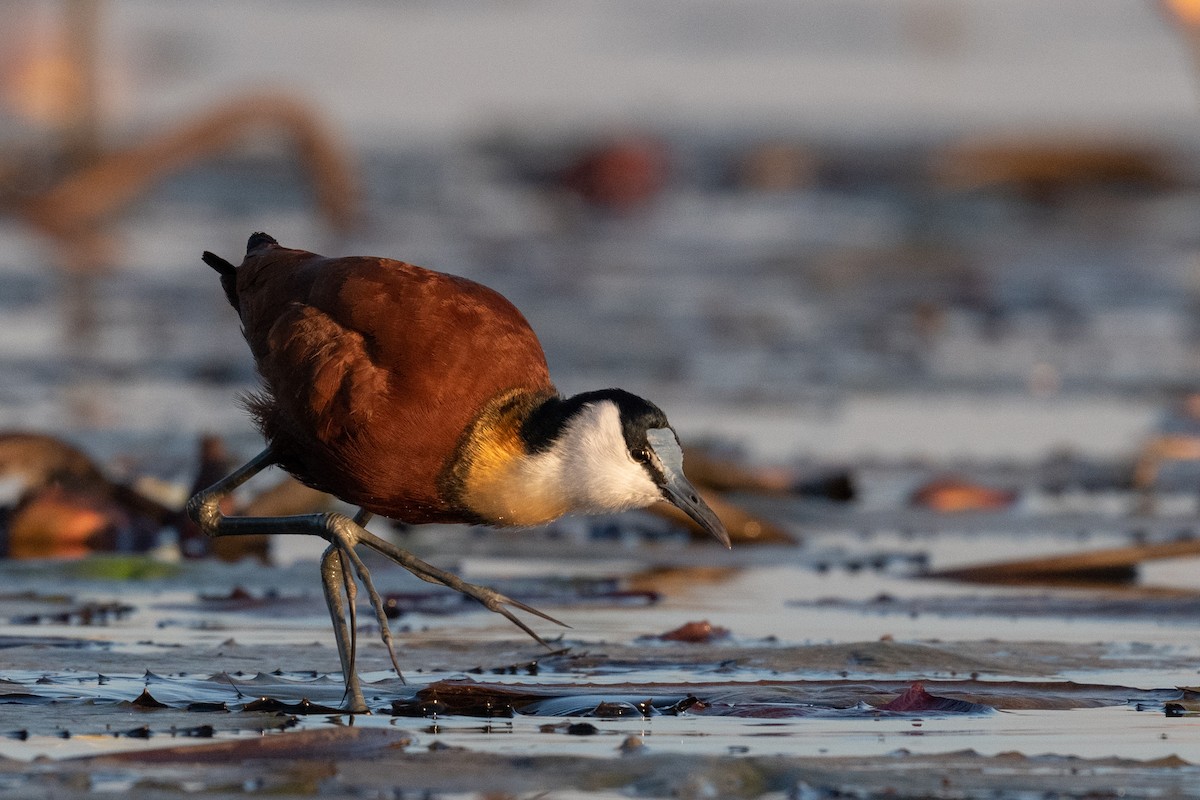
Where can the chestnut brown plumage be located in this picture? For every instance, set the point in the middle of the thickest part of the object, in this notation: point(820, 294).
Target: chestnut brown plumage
point(345, 348)
point(424, 397)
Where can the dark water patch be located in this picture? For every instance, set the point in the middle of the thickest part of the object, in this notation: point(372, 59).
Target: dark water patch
point(241, 599)
point(270, 601)
point(399, 604)
point(61, 719)
point(24, 698)
point(304, 706)
point(200, 732)
point(1187, 705)
point(766, 699)
point(201, 707)
point(531, 668)
point(62, 642)
point(85, 614)
point(614, 706)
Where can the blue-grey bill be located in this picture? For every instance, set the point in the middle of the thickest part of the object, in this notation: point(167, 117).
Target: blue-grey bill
point(677, 489)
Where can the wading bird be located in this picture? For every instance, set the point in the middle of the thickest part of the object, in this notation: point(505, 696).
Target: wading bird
point(423, 397)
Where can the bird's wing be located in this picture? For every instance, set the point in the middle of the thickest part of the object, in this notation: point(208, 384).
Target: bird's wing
point(321, 371)
point(438, 336)
point(374, 370)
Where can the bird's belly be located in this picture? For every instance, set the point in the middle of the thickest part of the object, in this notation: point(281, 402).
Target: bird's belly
point(395, 481)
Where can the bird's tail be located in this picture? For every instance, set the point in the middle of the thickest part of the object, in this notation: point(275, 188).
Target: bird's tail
point(228, 273)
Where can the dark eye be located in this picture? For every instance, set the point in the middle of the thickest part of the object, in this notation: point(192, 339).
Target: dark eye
point(641, 455)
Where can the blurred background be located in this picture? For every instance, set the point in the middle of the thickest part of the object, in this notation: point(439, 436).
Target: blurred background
point(829, 232)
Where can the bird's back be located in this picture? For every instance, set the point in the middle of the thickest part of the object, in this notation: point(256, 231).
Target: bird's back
point(374, 369)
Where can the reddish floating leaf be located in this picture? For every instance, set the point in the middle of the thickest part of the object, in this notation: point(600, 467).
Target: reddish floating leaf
point(700, 632)
point(916, 699)
point(953, 495)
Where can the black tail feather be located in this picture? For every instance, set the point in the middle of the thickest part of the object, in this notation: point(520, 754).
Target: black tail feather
point(219, 264)
point(228, 273)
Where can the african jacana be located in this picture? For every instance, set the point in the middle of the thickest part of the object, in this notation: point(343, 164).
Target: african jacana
point(424, 397)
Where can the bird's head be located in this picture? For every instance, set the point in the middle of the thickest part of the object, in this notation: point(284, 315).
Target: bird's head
point(610, 450)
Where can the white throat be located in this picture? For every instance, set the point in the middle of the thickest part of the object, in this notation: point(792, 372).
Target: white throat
point(590, 464)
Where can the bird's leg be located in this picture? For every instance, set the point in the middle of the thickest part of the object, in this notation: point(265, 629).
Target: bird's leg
point(337, 580)
point(352, 597)
point(205, 507)
point(334, 583)
point(343, 534)
point(348, 554)
point(336, 577)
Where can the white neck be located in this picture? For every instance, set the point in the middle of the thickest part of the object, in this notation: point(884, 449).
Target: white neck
point(589, 466)
point(587, 469)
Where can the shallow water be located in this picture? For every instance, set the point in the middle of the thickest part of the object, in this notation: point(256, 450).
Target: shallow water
point(811, 659)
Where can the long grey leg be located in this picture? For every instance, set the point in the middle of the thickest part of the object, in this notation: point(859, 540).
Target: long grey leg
point(337, 578)
point(343, 534)
point(334, 583)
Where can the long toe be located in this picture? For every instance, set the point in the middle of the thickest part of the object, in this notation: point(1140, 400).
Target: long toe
point(490, 598)
point(494, 601)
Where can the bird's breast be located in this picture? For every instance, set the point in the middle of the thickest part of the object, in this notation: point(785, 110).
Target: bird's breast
point(495, 475)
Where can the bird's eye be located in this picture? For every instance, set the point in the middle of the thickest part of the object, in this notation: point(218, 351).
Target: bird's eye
point(641, 455)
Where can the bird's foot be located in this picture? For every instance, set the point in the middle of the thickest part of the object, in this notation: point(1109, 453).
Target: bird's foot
point(339, 560)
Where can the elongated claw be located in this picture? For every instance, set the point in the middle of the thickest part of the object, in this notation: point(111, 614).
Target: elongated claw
point(494, 601)
point(499, 608)
point(528, 609)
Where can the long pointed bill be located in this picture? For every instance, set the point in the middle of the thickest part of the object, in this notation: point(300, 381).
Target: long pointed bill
point(677, 489)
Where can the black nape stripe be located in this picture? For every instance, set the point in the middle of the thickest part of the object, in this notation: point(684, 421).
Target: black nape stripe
point(544, 425)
